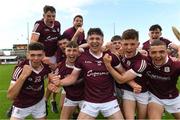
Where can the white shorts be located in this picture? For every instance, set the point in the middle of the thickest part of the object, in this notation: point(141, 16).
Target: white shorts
point(142, 98)
point(68, 102)
point(170, 105)
point(107, 109)
point(37, 111)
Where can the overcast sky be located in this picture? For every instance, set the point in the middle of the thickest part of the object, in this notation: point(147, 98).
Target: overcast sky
point(112, 16)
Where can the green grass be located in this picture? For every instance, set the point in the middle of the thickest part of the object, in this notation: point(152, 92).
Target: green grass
point(5, 78)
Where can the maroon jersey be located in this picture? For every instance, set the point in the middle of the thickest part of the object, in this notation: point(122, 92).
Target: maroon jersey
point(69, 33)
point(74, 92)
point(137, 65)
point(146, 45)
point(163, 80)
point(48, 36)
point(60, 56)
point(32, 90)
point(99, 84)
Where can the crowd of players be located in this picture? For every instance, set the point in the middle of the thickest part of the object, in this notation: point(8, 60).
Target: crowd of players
point(118, 80)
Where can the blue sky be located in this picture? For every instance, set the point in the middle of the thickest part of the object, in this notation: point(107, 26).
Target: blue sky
point(17, 18)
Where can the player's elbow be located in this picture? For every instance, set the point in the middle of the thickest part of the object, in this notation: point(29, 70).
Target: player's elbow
point(122, 80)
point(10, 96)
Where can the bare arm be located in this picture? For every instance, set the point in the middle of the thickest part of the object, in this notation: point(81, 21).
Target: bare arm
point(69, 80)
point(77, 33)
point(56, 81)
point(120, 78)
point(15, 88)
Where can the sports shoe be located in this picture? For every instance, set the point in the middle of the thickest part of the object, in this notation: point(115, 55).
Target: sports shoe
point(9, 112)
point(54, 107)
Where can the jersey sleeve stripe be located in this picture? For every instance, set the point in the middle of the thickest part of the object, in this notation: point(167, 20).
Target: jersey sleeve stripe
point(78, 69)
point(17, 72)
point(35, 27)
point(143, 66)
point(135, 73)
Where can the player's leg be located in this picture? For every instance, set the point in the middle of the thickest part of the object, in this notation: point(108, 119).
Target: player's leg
point(176, 115)
point(129, 108)
point(116, 116)
point(54, 104)
point(84, 116)
point(67, 112)
point(129, 104)
point(141, 111)
point(142, 101)
point(69, 107)
point(155, 110)
point(61, 102)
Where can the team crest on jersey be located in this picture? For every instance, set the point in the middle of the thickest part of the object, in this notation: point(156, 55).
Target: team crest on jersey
point(30, 79)
point(54, 30)
point(128, 63)
point(37, 79)
point(88, 62)
point(46, 30)
point(99, 63)
point(166, 69)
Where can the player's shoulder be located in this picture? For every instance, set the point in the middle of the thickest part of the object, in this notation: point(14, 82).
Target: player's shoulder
point(146, 42)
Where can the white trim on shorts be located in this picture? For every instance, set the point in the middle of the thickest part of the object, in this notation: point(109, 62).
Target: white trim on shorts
point(68, 102)
point(107, 109)
point(142, 98)
point(37, 111)
point(170, 105)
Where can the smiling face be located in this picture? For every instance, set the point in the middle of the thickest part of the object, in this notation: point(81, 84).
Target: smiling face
point(95, 43)
point(71, 54)
point(116, 46)
point(129, 47)
point(158, 54)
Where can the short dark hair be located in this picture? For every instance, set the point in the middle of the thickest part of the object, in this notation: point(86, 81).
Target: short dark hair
point(97, 31)
point(49, 8)
point(116, 38)
point(72, 44)
point(130, 34)
point(155, 27)
point(35, 46)
point(61, 37)
point(80, 16)
point(157, 43)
